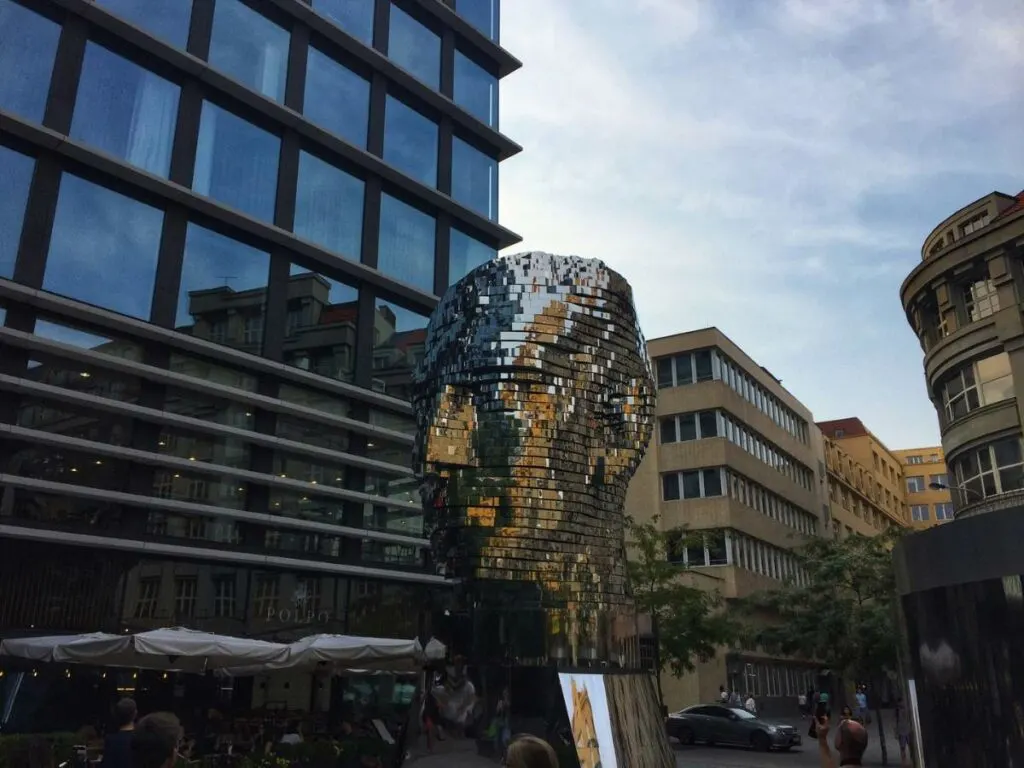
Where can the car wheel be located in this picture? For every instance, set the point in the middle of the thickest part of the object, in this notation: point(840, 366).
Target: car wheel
point(760, 741)
point(685, 736)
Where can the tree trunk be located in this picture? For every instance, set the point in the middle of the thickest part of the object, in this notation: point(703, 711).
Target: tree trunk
point(881, 735)
point(657, 661)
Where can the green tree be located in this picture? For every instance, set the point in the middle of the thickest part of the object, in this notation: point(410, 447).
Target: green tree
point(688, 623)
point(843, 615)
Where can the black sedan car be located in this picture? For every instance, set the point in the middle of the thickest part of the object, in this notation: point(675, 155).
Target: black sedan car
point(716, 724)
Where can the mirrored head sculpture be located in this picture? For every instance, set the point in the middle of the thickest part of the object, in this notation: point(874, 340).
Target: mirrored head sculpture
point(533, 405)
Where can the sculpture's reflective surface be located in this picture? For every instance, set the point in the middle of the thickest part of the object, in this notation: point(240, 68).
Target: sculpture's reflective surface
point(533, 406)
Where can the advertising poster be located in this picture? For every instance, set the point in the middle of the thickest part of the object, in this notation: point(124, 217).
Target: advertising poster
point(587, 705)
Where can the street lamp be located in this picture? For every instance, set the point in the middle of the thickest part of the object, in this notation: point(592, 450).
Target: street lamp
point(963, 488)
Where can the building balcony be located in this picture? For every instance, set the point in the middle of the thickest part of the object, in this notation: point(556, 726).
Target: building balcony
point(1008, 500)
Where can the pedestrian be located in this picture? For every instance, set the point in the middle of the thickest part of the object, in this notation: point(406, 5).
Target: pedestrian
point(502, 722)
point(845, 714)
point(862, 705)
point(526, 751)
point(117, 746)
point(801, 702)
point(903, 731)
point(750, 705)
point(155, 741)
point(851, 742)
point(723, 695)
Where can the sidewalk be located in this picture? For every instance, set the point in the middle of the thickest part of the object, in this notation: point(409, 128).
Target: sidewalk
point(450, 753)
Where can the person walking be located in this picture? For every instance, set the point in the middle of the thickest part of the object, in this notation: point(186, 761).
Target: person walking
point(903, 732)
point(502, 722)
point(723, 695)
point(750, 705)
point(117, 746)
point(851, 742)
point(862, 705)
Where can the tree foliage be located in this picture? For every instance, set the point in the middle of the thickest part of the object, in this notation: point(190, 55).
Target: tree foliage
point(844, 616)
point(688, 622)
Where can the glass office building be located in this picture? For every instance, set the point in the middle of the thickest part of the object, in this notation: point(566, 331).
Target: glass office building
point(223, 227)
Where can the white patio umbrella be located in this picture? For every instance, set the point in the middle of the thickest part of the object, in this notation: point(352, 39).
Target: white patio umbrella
point(52, 647)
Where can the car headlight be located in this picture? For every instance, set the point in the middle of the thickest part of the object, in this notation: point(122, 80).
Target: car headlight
point(772, 729)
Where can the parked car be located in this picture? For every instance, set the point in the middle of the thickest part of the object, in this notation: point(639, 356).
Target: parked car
point(717, 724)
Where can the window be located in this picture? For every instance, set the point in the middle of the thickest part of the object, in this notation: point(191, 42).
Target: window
point(690, 426)
point(938, 479)
point(224, 597)
point(353, 16)
point(329, 206)
point(482, 14)
point(410, 142)
point(840, 433)
point(149, 594)
point(28, 46)
point(414, 47)
point(984, 382)
point(16, 171)
point(944, 511)
point(167, 20)
point(465, 254)
point(185, 598)
point(337, 99)
point(692, 484)
point(223, 287)
point(249, 47)
point(266, 596)
point(910, 460)
point(990, 470)
point(236, 163)
point(766, 451)
point(406, 246)
point(104, 248)
point(321, 325)
point(915, 484)
point(476, 89)
point(397, 347)
point(980, 299)
point(125, 110)
point(919, 512)
point(474, 179)
point(683, 369)
point(974, 223)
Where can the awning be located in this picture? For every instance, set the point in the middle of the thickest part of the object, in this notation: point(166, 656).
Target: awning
point(49, 647)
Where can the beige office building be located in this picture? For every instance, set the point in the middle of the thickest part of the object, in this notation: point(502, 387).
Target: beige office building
point(929, 494)
point(737, 458)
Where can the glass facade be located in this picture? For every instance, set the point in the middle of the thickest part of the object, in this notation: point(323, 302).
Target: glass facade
point(336, 98)
point(474, 179)
point(236, 163)
point(206, 365)
point(28, 46)
point(249, 47)
point(104, 248)
point(476, 89)
point(410, 142)
point(414, 47)
point(406, 247)
point(168, 21)
point(354, 16)
point(16, 171)
point(482, 14)
point(125, 110)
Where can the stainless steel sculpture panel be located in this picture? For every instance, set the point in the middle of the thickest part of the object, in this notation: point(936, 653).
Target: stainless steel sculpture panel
point(533, 405)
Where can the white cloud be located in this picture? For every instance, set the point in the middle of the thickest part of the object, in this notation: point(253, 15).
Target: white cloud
point(729, 159)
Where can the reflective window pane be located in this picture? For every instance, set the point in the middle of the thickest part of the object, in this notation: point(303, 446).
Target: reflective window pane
point(236, 163)
point(125, 110)
point(28, 45)
point(414, 47)
point(104, 248)
point(399, 338)
point(410, 142)
point(336, 98)
point(476, 89)
point(16, 171)
point(223, 290)
point(474, 179)
point(249, 47)
point(406, 246)
point(354, 16)
point(320, 335)
point(329, 206)
point(482, 14)
point(167, 20)
point(465, 254)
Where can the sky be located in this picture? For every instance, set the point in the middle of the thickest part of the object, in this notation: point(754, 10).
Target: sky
point(770, 168)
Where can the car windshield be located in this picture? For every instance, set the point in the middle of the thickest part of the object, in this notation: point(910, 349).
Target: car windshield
point(742, 714)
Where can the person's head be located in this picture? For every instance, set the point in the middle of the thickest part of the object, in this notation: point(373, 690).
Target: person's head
point(527, 751)
point(851, 740)
point(155, 740)
point(846, 713)
point(294, 726)
point(125, 712)
point(533, 403)
point(721, 689)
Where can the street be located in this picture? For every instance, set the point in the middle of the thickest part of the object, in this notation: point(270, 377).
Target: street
point(701, 756)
